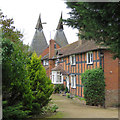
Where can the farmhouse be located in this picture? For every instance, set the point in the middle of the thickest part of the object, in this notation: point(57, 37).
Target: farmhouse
point(64, 63)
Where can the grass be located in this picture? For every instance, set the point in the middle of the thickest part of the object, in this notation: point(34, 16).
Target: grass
point(80, 98)
point(57, 115)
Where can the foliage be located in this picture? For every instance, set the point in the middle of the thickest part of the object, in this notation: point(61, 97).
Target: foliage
point(68, 95)
point(94, 86)
point(58, 88)
point(26, 88)
point(14, 112)
point(49, 108)
point(97, 21)
point(40, 83)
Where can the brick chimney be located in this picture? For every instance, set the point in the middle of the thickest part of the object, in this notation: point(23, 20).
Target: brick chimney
point(81, 41)
point(51, 54)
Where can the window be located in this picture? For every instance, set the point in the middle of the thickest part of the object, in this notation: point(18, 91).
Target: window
point(56, 62)
point(55, 45)
point(72, 60)
point(90, 58)
point(57, 77)
point(45, 62)
point(73, 81)
point(61, 59)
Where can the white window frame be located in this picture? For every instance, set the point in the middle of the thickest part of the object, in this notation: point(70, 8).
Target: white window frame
point(56, 75)
point(72, 60)
point(56, 62)
point(90, 58)
point(73, 81)
point(45, 62)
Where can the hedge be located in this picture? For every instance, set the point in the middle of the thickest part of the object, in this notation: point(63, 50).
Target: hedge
point(94, 86)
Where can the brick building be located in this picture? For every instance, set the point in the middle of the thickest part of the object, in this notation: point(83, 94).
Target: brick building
point(64, 64)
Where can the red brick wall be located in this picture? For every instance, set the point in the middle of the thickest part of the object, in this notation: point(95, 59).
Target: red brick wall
point(110, 71)
point(119, 74)
point(51, 54)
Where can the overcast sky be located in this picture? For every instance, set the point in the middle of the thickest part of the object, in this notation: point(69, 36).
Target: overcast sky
point(25, 14)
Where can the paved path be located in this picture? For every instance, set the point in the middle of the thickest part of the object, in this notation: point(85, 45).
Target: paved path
point(72, 109)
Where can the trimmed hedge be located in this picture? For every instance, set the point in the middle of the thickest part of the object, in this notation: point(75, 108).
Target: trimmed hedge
point(94, 86)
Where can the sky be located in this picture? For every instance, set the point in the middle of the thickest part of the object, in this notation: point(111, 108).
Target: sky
point(25, 14)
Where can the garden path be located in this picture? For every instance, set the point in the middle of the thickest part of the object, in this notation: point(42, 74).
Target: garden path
point(70, 108)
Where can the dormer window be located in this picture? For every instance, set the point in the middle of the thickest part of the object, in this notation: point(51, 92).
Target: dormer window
point(72, 60)
point(45, 62)
point(90, 58)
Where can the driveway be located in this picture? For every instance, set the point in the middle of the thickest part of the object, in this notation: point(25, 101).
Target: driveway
point(70, 108)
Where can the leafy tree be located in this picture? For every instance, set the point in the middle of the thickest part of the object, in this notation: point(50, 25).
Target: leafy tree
point(97, 21)
point(41, 84)
point(94, 86)
point(17, 96)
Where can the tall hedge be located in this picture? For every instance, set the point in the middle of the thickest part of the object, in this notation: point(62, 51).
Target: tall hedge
point(94, 86)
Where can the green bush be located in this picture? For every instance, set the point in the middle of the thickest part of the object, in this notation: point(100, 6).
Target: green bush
point(14, 111)
point(94, 86)
point(49, 108)
point(68, 95)
point(58, 88)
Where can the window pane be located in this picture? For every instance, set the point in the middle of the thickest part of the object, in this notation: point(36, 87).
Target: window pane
point(88, 57)
point(91, 57)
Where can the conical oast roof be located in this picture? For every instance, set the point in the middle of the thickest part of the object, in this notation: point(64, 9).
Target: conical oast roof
point(60, 37)
point(39, 42)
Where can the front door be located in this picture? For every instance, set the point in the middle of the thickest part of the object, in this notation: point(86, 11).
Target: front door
point(67, 80)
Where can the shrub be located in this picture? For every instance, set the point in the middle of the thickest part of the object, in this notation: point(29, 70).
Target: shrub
point(59, 87)
point(68, 95)
point(41, 85)
point(94, 86)
point(49, 108)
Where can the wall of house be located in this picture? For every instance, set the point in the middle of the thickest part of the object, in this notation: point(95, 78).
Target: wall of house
point(111, 71)
point(51, 54)
point(80, 67)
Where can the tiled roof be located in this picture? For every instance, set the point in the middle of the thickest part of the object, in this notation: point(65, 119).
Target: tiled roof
point(76, 48)
point(45, 57)
point(46, 67)
point(39, 43)
point(60, 68)
point(60, 37)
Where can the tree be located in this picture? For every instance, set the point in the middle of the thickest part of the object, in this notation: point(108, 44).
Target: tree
point(15, 85)
point(41, 84)
point(97, 21)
